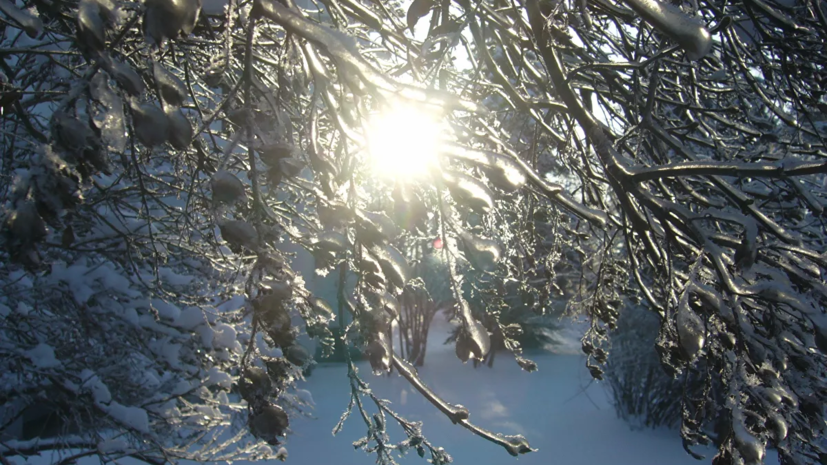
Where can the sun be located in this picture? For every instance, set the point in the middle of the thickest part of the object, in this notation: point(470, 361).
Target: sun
point(404, 141)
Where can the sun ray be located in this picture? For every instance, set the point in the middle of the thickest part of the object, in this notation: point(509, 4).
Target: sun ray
point(404, 141)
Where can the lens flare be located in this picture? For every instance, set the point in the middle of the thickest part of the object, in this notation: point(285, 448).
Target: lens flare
point(404, 141)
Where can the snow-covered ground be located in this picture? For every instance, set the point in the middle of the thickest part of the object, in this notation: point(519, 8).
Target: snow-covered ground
point(564, 415)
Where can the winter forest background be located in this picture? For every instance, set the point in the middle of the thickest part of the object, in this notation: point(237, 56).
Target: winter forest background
point(222, 218)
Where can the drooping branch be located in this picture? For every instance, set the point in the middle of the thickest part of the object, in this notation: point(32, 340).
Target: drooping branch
point(344, 50)
point(515, 445)
point(781, 169)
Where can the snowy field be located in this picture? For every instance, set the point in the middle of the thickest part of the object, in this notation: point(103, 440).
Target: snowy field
point(562, 413)
point(569, 420)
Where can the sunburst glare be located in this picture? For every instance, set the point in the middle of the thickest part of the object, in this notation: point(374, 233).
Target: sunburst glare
point(404, 141)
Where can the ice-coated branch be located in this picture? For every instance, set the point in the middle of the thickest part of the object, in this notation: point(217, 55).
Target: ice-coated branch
point(344, 50)
point(515, 445)
point(689, 32)
point(725, 168)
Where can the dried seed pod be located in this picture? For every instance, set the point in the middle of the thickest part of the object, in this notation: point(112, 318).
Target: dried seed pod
point(25, 225)
point(393, 264)
point(296, 354)
point(417, 10)
point(747, 251)
point(180, 130)
point(750, 448)
point(386, 301)
point(167, 19)
point(70, 133)
point(291, 167)
point(151, 124)
point(526, 364)
point(9, 94)
point(379, 354)
point(477, 341)
point(126, 77)
point(596, 372)
point(109, 12)
point(281, 290)
point(27, 21)
point(170, 89)
point(481, 252)
point(469, 191)
point(274, 316)
point(320, 307)
point(331, 241)
point(79, 142)
point(279, 370)
point(68, 237)
point(191, 10)
point(502, 170)
point(374, 228)
point(480, 338)
point(463, 347)
point(371, 272)
point(274, 177)
point(269, 423)
point(334, 214)
point(820, 336)
point(255, 384)
point(690, 330)
point(375, 280)
point(377, 319)
point(323, 258)
point(778, 427)
point(239, 234)
point(368, 264)
point(283, 336)
point(91, 29)
point(270, 303)
point(272, 154)
point(157, 24)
